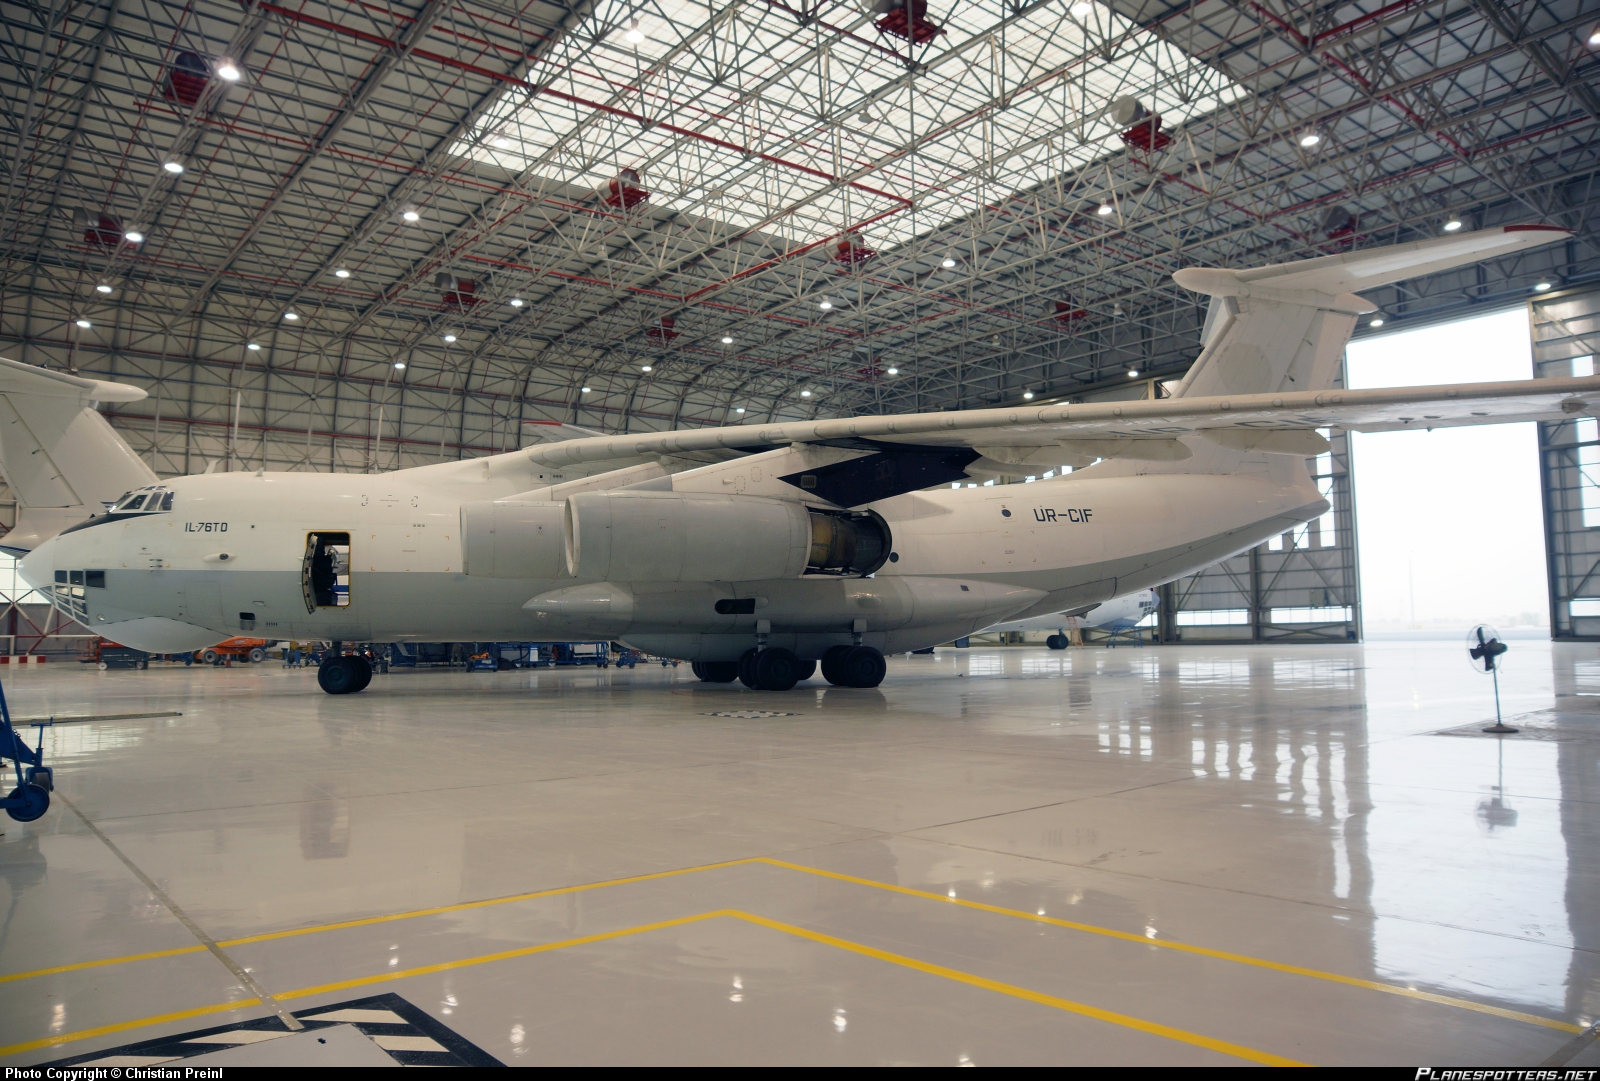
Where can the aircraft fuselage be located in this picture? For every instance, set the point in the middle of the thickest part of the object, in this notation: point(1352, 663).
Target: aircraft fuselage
point(237, 553)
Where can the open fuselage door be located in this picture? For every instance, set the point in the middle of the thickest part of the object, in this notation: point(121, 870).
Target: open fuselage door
point(325, 571)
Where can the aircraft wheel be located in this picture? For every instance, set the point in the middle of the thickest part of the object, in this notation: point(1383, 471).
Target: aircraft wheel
point(861, 666)
point(807, 670)
point(1056, 641)
point(37, 802)
point(694, 666)
point(718, 671)
point(363, 672)
point(746, 669)
point(336, 677)
point(777, 669)
point(830, 665)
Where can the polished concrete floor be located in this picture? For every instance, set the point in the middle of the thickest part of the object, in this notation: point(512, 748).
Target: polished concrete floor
point(1178, 855)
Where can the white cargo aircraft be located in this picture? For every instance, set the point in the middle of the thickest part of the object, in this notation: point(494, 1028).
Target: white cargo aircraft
point(754, 550)
point(1116, 615)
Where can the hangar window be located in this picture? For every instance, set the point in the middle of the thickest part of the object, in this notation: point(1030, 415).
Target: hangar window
point(325, 570)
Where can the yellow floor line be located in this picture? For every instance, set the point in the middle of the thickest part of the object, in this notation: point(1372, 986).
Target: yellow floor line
point(1236, 1050)
point(1123, 1020)
point(1201, 951)
point(124, 1026)
point(1087, 928)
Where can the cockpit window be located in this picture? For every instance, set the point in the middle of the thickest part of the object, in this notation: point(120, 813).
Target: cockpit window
point(153, 498)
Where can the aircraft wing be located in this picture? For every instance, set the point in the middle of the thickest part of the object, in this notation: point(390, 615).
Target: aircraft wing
point(1134, 429)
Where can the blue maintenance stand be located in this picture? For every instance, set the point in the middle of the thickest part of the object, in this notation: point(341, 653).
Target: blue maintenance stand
point(31, 798)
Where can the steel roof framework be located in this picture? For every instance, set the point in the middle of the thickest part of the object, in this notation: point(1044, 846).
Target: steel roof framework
point(764, 132)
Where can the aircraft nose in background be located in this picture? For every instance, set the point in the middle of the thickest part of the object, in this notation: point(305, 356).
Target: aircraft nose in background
point(37, 568)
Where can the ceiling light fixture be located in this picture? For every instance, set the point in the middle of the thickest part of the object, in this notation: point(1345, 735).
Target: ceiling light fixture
point(739, 410)
point(410, 214)
point(727, 341)
point(449, 337)
point(948, 262)
point(85, 324)
point(803, 393)
point(400, 364)
point(341, 273)
point(293, 317)
point(1541, 287)
point(645, 368)
point(517, 302)
point(253, 347)
point(1452, 225)
point(1594, 37)
point(1082, 9)
point(586, 390)
point(133, 236)
point(229, 71)
point(825, 304)
point(1106, 210)
point(1377, 321)
point(103, 288)
point(173, 166)
point(500, 141)
point(1311, 138)
point(894, 371)
point(1027, 395)
point(1132, 372)
point(635, 35)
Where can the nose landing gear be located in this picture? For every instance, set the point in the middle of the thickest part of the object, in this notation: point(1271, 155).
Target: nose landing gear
point(344, 674)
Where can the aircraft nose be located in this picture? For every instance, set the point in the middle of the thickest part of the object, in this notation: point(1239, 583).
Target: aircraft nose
point(38, 567)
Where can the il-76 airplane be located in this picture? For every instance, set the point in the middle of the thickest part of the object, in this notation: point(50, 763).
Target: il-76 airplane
point(758, 550)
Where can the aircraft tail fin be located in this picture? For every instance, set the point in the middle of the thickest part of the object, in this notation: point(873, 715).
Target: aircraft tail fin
point(1284, 328)
point(58, 455)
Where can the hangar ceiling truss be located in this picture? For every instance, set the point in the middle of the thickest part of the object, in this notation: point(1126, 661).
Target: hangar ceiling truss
point(419, 216)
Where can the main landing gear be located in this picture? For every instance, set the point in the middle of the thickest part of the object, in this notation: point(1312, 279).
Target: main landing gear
point(344, 674)
point(853, 666)
point(779, 669)
point(1057, 641)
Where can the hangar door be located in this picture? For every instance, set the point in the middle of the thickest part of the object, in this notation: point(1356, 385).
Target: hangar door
point(1566, 340)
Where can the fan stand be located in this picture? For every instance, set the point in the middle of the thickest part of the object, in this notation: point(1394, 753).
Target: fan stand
point(1499, 728)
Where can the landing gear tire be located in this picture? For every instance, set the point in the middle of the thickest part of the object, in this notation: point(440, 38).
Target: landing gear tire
point(830, 665)
point(859, 666)
point(777, 669)
point(746, 670)
point(363, 672)
point(344, 675)
point(807, 670)
point(35, 802)
point(1056, 641)
point(716, 671)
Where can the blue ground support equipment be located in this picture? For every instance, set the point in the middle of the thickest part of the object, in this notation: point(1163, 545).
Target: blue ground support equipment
point(31, 798)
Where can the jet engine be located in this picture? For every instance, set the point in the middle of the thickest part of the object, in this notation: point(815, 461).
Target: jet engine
point(681, 537)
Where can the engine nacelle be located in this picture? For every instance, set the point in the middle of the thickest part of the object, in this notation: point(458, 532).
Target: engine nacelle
point(686, 537)
point(511, 538)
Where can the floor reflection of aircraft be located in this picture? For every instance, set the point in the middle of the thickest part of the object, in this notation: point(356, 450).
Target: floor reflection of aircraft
point(1116, 615)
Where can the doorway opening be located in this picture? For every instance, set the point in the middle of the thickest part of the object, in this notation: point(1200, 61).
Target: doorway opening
point(325, 571)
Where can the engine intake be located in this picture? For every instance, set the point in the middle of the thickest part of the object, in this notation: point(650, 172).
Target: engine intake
point(684, 537)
